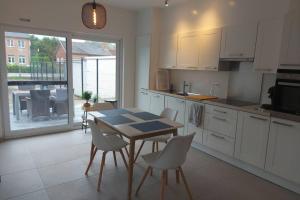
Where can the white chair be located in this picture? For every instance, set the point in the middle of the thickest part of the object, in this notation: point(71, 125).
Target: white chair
point(170, 158)
point(166, 113)
point(104, 142)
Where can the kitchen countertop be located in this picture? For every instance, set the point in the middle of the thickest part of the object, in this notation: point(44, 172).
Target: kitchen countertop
point(238, 105)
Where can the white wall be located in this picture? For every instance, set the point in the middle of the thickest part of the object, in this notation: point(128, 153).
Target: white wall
point(207, 14)
point(66, 16)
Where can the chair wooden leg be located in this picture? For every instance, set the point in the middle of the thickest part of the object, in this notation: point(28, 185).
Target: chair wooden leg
point(177, 176)
point(157, 147)
point(123, 157)
point(91, 161)
point(101, 170)
point(115, 159)
point(185, 183)
point(166, 177)
point(153, 149)
point(143, 180)
point(139, 151)
point(162, 184)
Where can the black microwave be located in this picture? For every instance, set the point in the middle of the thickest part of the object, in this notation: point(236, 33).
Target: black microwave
point(287, 91)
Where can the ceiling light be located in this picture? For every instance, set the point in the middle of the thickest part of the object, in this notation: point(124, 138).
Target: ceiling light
point(166, 3)
point(93, 15)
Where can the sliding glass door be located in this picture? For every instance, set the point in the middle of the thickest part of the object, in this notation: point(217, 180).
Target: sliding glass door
point(37, 81)
point(94, 64)
point(44, 74)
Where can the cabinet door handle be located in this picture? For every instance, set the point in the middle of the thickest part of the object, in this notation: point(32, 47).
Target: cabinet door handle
point(218, 118)
point(220, 111)
point(217, 136)
point(282, 124)
point(258, 118)
point(179, 101)
point(236, 54)
point(210, 67)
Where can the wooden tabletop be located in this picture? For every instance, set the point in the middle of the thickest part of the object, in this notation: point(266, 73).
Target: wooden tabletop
point(132, 133)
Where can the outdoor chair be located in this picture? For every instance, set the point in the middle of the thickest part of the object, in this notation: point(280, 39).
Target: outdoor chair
point(38, 105)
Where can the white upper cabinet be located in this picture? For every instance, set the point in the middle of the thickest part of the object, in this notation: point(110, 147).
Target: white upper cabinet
point(199, 50)
point(209, 49)
point(143, 61)
point(239, 41)
point(157, 103)
point(290, 51)
point(188, 50)
point(168, 51)
point(268, 46)
point(179, 105)
point(284, 149)
point(252, 138)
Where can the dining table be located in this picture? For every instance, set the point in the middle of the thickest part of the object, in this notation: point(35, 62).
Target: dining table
point(134, 124)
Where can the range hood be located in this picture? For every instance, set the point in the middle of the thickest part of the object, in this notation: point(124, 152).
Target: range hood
point(232, 64)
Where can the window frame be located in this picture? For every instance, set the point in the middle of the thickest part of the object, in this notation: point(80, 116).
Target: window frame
point(10, 43)
point(23, 44)
point(24, 59)
point(11, 57)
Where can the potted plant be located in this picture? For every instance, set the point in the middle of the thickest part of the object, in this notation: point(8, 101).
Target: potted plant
point(95, 99)
point(87, 95)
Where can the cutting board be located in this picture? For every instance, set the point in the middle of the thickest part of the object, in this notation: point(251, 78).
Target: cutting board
point(200, 97)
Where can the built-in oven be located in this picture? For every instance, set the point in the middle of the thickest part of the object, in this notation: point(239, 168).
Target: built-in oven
point(287, 91)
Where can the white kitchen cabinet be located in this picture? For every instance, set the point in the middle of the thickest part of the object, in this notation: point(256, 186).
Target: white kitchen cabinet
point(179, 105)
point(252, 138)
point(168, 50)
point(284, 149)
point(239, 41)
point(268, 46)
point(290, 48)
point(209, 49)
point(157, 103)
point(143, 100)
point(188, 50)
point(142, 61)
point(218, 142)
point(191, 128)
point(220, 120)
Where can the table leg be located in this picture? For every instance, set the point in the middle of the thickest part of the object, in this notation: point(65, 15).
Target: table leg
point(130, 167)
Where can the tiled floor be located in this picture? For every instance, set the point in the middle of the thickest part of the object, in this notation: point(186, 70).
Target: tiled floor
point(52, 168)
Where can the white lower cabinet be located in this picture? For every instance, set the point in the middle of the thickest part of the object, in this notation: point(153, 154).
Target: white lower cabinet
point(218, 142)
point(157, 103)
point(252, 138)
point(143, 100)
point(191, 128)
point(284, 149)
point(179, 105)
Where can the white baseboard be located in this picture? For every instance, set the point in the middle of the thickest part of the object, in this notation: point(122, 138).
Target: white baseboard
point(249, 168)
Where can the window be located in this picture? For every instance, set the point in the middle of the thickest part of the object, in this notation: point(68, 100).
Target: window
point(10, 43)
point(11, 59)
point(22, 60)
point(21, 44)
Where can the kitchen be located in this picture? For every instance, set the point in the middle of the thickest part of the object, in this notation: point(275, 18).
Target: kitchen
point(226, 50)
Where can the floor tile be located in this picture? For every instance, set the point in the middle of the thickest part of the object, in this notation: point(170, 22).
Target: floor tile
point(39, 195)
point(62, 173)
point(20, 183)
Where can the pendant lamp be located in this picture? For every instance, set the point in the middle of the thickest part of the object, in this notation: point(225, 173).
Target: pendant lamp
point(93, 15)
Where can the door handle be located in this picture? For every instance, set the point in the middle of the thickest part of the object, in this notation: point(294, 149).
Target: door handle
point(220, 111)
point(283, 124)
point(258, 118)
point(217, 136)
point(218, 118)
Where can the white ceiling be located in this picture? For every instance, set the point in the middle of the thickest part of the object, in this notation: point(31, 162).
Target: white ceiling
point(139, 4)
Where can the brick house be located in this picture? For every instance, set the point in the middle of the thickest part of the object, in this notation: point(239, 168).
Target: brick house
point(17, 48)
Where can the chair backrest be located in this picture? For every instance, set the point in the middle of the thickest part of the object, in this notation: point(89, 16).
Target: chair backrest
point(169, 113)
point(40, 102)
point(174, 154)
point(101, 141)
point(62, 94)
point(102, 106)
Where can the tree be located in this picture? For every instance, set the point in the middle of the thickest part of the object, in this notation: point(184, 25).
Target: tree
point(43, 49)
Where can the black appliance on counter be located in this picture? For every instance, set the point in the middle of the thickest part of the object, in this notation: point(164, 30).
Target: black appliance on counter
point(286, 97)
